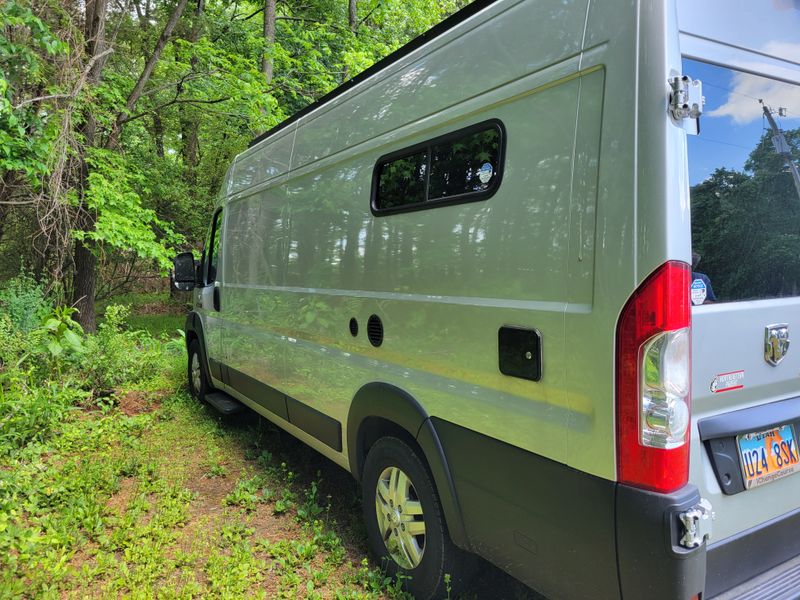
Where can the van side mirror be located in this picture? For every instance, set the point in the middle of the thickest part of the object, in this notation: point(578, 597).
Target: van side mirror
point(183, 271)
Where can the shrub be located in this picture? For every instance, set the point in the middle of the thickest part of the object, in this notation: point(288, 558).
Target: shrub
point(115, 356)
point(11, 341)
point(47, 369)
point(23, 300)
point(29, 410)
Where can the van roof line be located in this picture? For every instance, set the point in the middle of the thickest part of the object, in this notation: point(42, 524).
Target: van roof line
point(424, 38)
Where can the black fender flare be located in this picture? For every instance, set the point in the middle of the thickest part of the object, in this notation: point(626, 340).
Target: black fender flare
point(194, 327)
point(388, 402)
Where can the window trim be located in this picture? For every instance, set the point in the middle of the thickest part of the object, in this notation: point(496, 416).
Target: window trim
point(216, 226)
point(427, 146)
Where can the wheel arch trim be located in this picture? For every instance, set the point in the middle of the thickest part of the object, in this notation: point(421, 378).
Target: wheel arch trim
point(380, 400)
point(194, 327)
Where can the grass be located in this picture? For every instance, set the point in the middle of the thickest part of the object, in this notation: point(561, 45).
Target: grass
point(145, 493)
point(154, 497)
point(157, 325)
point(153, 312)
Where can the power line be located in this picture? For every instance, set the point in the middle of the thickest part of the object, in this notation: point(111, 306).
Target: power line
point(732, 91)
point(707, 139)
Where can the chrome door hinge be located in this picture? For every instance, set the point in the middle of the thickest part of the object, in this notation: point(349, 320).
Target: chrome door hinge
point(686, 102)
point(696, 524)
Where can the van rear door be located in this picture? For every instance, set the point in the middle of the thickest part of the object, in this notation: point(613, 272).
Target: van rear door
point(745, 209)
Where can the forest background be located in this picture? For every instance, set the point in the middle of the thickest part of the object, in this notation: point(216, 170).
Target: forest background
point(119, 118)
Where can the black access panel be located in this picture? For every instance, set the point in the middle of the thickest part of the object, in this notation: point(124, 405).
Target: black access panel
point(520, 352)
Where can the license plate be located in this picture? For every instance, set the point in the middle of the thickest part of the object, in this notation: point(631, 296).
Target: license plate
point(768, 455)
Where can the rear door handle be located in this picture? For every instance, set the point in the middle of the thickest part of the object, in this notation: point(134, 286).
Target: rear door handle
point(216, 298)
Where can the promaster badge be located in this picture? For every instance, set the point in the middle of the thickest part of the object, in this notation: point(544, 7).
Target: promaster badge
point(776, 342)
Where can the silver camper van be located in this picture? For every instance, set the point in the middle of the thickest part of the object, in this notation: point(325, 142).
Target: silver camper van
point(532, 280)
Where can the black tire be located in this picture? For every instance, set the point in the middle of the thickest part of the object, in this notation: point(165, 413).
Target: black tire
point(198, 388)
point(439, 571)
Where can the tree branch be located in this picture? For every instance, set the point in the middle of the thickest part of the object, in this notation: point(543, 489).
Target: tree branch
point(76, 90)
point(368, 15)
point(193, 101)
point(136, 93)
point(251, 15)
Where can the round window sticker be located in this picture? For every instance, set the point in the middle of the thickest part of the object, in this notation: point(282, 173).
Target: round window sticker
point(485, 172)
point(699, 292)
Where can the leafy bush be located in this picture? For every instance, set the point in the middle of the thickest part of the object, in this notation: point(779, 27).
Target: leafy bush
point(30, 411)
point(50, 367)
point(23, 300)
point(11, 340)
point(115, 356)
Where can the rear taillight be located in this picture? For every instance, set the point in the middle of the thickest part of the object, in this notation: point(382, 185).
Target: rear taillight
point(653, 382)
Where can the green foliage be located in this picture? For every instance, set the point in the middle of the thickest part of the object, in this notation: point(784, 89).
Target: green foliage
point(116, 355)
point(122, 222)
point(248, 493)
point(29, 410)
point(45, 370)
point(141, 175)
point(26, 131)
point(23, 300)
point(59, 334)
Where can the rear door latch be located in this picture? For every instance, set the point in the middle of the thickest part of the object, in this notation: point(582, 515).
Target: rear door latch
point(696, 524)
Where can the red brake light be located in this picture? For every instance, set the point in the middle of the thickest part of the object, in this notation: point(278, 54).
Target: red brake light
point(653, 390)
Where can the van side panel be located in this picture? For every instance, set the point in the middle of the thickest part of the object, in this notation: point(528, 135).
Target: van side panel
point(443, 281)
point(490, 49)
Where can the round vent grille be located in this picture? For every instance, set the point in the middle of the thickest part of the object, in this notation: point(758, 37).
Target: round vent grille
point(353, 327)
point(375, 330)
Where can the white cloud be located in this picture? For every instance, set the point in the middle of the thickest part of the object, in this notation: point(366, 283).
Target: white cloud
point(785, 50)
point(742, 104)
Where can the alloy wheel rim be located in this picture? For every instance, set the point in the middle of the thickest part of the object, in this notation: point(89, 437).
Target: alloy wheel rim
point(196, 376)
point(401, 521)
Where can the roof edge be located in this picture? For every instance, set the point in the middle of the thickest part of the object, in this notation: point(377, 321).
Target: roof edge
point(434, 32)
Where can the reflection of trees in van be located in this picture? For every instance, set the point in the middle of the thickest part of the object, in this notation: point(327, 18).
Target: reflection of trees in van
point(746, 226)
point(402, 181)
point(464, 165)
point(456, 166)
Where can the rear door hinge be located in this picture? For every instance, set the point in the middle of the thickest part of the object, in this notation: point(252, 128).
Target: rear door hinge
point(686, 102)
point(696, 524)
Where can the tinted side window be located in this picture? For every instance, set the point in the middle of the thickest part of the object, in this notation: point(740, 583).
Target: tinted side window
point(402, 181)
point(462, 166)
point(468, 164)
point(214, 248)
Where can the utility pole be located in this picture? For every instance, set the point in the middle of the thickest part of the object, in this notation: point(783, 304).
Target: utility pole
point(782, 147)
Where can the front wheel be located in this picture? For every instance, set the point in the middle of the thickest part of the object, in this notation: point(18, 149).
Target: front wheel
point(405, 524)
point(198, 378)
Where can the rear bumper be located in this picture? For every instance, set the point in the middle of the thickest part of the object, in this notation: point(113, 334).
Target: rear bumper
point(570, 535)
point(735, 565)
point(650, 561)
point(566, 533)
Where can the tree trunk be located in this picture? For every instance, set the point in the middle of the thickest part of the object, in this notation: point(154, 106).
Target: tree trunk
point(352, 13)
point(85, 284)
point(269, 38)
point(188, 120)
point(3, 211)
point(136, 93)
point(85, 278)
